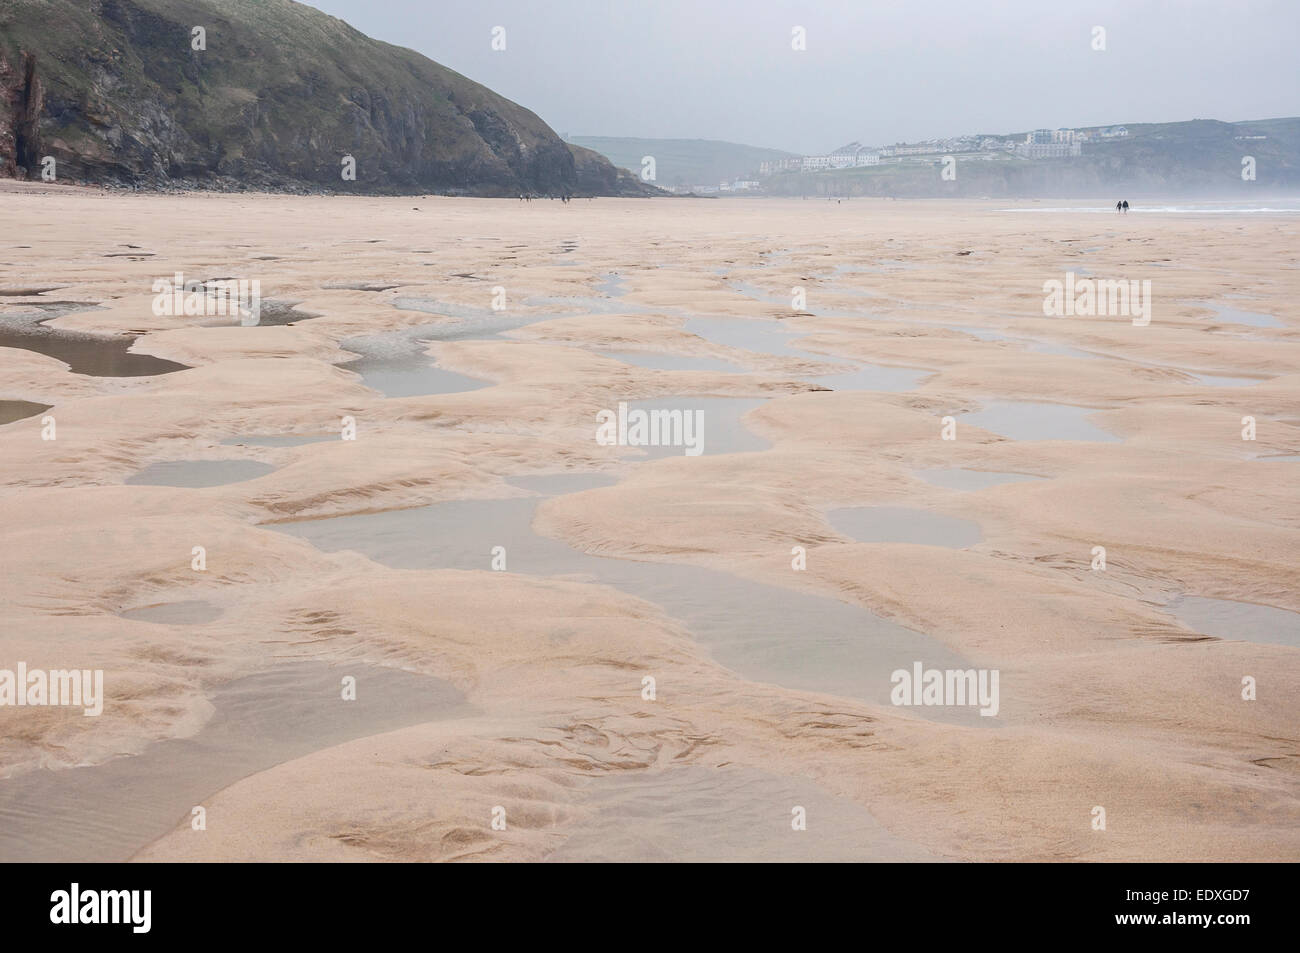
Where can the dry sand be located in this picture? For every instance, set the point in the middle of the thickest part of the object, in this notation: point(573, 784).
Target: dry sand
point(535, 675)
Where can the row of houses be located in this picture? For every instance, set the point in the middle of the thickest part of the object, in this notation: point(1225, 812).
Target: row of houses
point(1061, 143)
point(1039, 144)
point(1049, 150)
point(837, 160)
point(736, 185)
point(1044, 136)
point(777, 166)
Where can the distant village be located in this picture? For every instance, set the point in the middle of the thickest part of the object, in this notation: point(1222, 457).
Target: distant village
point(1039, 144)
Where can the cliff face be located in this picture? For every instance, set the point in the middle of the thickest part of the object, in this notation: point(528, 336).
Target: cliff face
point(21, 99)
point(116, 93)
point(598, 176)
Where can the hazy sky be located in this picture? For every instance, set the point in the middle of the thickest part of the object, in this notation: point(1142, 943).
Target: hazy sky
point(873, 70)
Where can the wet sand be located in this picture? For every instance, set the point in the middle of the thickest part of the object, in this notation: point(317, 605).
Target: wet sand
point(106, 812)
point(523, 686)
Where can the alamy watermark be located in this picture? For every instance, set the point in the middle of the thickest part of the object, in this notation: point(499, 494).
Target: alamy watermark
point(80, 688)
point(242, 298)
point(129, 907)
point(1093, 297)
point(651, 428)
point(946, 687)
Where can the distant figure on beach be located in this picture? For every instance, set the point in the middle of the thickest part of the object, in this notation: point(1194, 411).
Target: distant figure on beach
point(1126, 206)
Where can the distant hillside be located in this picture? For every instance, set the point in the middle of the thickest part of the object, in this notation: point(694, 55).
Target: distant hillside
point(1201, 157)
point(683, 161)
point(113, 90)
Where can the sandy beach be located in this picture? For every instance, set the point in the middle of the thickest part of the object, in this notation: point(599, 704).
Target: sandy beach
point(498, 584)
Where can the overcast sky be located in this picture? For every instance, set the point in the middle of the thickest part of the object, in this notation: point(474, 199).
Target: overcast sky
point(874, 70)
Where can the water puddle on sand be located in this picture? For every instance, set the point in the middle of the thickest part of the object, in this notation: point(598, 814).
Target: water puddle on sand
point(416, 377)
point(903, 524)
point(1237, 621)
point(1033, 345)
point(357, 286)
point(959, 479)
point(194, 474)
point(1030, 420)
point(874, 377)
point(1215, 381)
point(27, 291)
point(769, 337)
point(719, 430)
point(186, 612)
point(278, 440)
point(558, 484)
point(696, 814)
point(90, 354)
point(754, 293)
point(1037, 346)
point(760, 335)
point(396, 364)
point(272, 314)
point(763, 632)
point(109, 811)
point(612, 285)
point(11, 410)
point(1231, 315)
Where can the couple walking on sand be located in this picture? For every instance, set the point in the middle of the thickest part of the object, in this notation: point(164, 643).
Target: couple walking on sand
point(1121, 206)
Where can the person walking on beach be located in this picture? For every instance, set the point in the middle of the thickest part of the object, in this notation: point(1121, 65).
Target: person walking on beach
point(1119, 207)
point(1126, 206)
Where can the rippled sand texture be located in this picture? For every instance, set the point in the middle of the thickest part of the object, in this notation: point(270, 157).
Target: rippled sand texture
point(523, 690)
